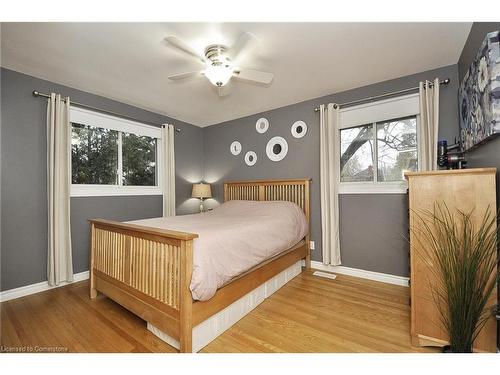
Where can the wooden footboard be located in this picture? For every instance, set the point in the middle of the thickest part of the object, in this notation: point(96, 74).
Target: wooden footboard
point(148, 271)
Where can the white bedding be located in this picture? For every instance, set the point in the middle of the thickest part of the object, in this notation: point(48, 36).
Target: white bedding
point(235, 237)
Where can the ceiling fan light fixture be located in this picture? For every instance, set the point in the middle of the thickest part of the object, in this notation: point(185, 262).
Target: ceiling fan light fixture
point(221, 63)
point(219, 74)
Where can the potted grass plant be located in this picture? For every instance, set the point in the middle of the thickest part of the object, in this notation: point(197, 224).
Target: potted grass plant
point(464, 259)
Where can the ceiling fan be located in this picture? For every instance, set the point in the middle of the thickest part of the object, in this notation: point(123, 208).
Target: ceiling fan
point(222, 62)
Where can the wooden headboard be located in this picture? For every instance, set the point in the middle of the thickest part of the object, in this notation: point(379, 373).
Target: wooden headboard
point(296, 191)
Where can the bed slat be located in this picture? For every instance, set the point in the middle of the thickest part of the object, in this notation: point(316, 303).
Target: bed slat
point(150, 267)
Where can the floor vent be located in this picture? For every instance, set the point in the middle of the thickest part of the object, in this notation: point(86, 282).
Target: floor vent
point(325, 275)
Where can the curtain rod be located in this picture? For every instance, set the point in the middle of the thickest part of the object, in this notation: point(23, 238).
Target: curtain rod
point(369, 99)
point(41, 94)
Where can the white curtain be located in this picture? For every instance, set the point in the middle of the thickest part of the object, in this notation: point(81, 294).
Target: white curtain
point(428, 126)
point(168, 169)
point(59, 260)
point(329, 175)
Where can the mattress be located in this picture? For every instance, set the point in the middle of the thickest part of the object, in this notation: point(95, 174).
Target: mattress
point(235, 237)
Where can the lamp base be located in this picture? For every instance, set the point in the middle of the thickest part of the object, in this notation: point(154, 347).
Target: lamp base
point(202, 209)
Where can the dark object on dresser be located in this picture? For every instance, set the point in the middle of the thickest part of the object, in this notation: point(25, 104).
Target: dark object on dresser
point(450, 160)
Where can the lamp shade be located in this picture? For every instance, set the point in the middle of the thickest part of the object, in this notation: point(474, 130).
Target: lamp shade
point(201, 191)
point(219, 74)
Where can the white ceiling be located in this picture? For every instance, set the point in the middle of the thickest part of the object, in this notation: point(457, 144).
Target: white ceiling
point(130, 62)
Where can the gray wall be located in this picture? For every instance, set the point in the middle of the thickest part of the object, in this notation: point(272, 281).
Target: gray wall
point(476, 36)
point(487, 155)
point(24, 179)
point(372, 227)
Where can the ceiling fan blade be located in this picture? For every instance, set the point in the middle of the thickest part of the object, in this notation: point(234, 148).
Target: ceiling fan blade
point(245, 43)
point(253, 76)
point(179, 44)
point(179, 76)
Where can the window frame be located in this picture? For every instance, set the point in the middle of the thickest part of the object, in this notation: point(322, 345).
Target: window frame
point(101, 120)
point(370, 114)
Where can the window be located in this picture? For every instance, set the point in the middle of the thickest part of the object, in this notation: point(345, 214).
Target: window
point(139, 160)
point(394, 142)
point(94, 155)
point(396, 148)
point(378, 143)
point(356, 160)
point(113, 156)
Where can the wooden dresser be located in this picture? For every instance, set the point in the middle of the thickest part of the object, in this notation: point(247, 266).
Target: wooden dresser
point(465, 189)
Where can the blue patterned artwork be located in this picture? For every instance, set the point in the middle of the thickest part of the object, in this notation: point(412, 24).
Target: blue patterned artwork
point(479, 95)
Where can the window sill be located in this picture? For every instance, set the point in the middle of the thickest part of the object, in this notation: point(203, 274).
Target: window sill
point(399, 187)
point(113, 190)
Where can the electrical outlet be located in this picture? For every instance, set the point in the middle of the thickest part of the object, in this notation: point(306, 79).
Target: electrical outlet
point(311, 245)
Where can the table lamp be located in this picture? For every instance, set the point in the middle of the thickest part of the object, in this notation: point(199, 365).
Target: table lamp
point(201, 191)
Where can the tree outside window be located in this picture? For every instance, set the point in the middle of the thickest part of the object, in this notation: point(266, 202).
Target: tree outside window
point(384, 150)
point(95, 157)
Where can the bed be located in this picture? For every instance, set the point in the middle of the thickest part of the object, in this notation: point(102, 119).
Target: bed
point(149, 269)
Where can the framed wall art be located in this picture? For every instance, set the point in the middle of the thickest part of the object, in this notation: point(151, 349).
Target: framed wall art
point(479, 95)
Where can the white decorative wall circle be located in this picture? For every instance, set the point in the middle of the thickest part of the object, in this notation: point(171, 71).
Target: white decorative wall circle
point(235, 148)
point(299, 129)
point(250, 158)
point(276, 148)
point(262, 125)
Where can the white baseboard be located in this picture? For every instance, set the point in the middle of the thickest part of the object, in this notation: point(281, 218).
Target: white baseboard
point(370, 275)
point(22, 291)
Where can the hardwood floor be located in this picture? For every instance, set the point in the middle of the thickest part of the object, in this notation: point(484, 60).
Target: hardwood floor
point(309, 314)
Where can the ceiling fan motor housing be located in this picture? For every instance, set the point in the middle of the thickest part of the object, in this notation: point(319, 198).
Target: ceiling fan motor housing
point(216, 53)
